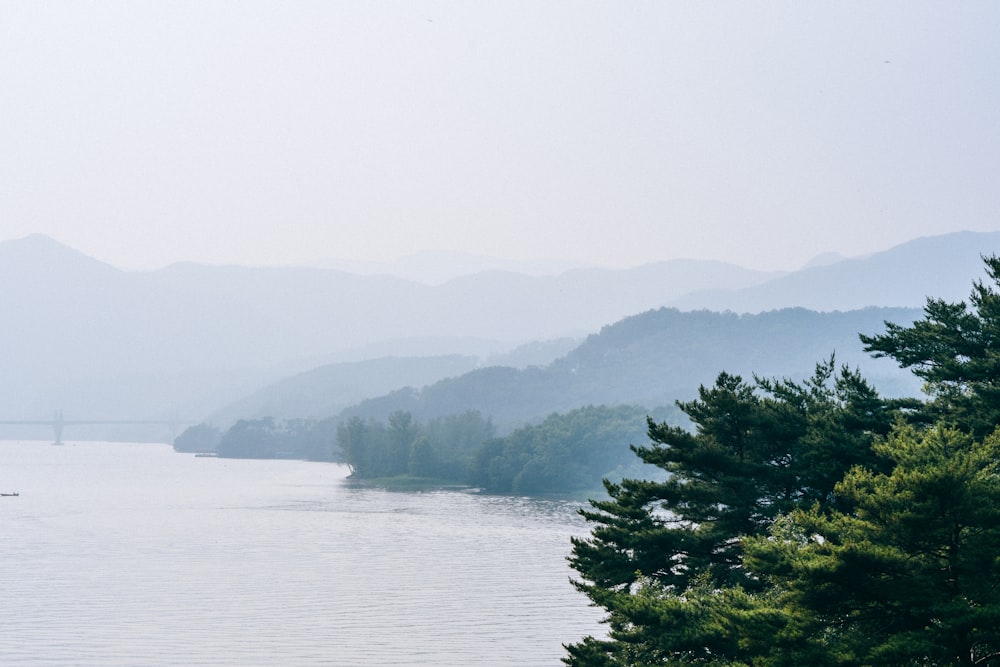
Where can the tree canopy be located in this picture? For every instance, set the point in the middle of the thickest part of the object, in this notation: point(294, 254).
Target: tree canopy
point(909, 575)
point(815, 522)
point(758, 450)
point(955, 348)
point(441, 449)
point(565, 453)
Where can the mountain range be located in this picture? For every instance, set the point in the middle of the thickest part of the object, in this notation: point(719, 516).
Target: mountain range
point(655, 358)
point(942, 266)
point(186, 341)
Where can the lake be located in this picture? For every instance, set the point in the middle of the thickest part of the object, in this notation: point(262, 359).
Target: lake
point(132, 554)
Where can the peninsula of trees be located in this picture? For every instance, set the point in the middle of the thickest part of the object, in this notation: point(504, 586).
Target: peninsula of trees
point(563, 454)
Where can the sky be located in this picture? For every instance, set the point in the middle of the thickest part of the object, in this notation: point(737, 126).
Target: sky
point(609, 133)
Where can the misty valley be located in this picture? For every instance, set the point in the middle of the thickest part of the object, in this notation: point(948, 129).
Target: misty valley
point(257, 466)
point(499, 334)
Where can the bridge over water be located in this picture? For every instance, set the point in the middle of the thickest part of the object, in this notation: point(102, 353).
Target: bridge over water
point(58, 423)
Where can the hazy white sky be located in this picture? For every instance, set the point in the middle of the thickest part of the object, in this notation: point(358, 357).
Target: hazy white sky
point(617, 133)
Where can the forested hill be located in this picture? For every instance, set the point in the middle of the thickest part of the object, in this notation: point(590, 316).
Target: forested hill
point(324, 391)
point(655, 358)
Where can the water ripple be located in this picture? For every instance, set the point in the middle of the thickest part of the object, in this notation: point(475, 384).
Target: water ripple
point(134, 555)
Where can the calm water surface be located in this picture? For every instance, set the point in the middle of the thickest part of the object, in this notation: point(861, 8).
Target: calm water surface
point(119, 554)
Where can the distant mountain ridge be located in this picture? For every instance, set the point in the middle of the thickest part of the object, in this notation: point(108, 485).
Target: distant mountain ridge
point(328, 389)
point(99, 342)
point(942, 266)
point(185, 340)
point(657, 357)
point(437, 267)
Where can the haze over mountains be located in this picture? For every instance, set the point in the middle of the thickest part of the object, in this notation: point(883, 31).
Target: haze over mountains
point(940, 266)
point(655, 358)
point(188, 340)
point(435, 268)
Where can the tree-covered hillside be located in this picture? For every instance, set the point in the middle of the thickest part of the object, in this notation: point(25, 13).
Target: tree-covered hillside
point(655, 358)
point(651, 360)
point(565, 453)
point(324, 391)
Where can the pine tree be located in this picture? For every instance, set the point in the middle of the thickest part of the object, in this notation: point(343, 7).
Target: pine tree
point(658, 549)
point(911, 574)
point(815, 523)
point(956, 350)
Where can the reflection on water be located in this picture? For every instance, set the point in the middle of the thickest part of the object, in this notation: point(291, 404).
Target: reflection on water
point(120, 554)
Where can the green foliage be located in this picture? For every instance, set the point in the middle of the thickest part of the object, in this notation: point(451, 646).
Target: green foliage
point(270, 438)
point(956, 350)
point(198, 438)
point(423, 459)
point(665, 556)
point(652, 359)
point(563, 454)
point(455, 440)
point(815, 523)
point(440, 449)
point(363, 446)
point(402, 433)
point(911, 575)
